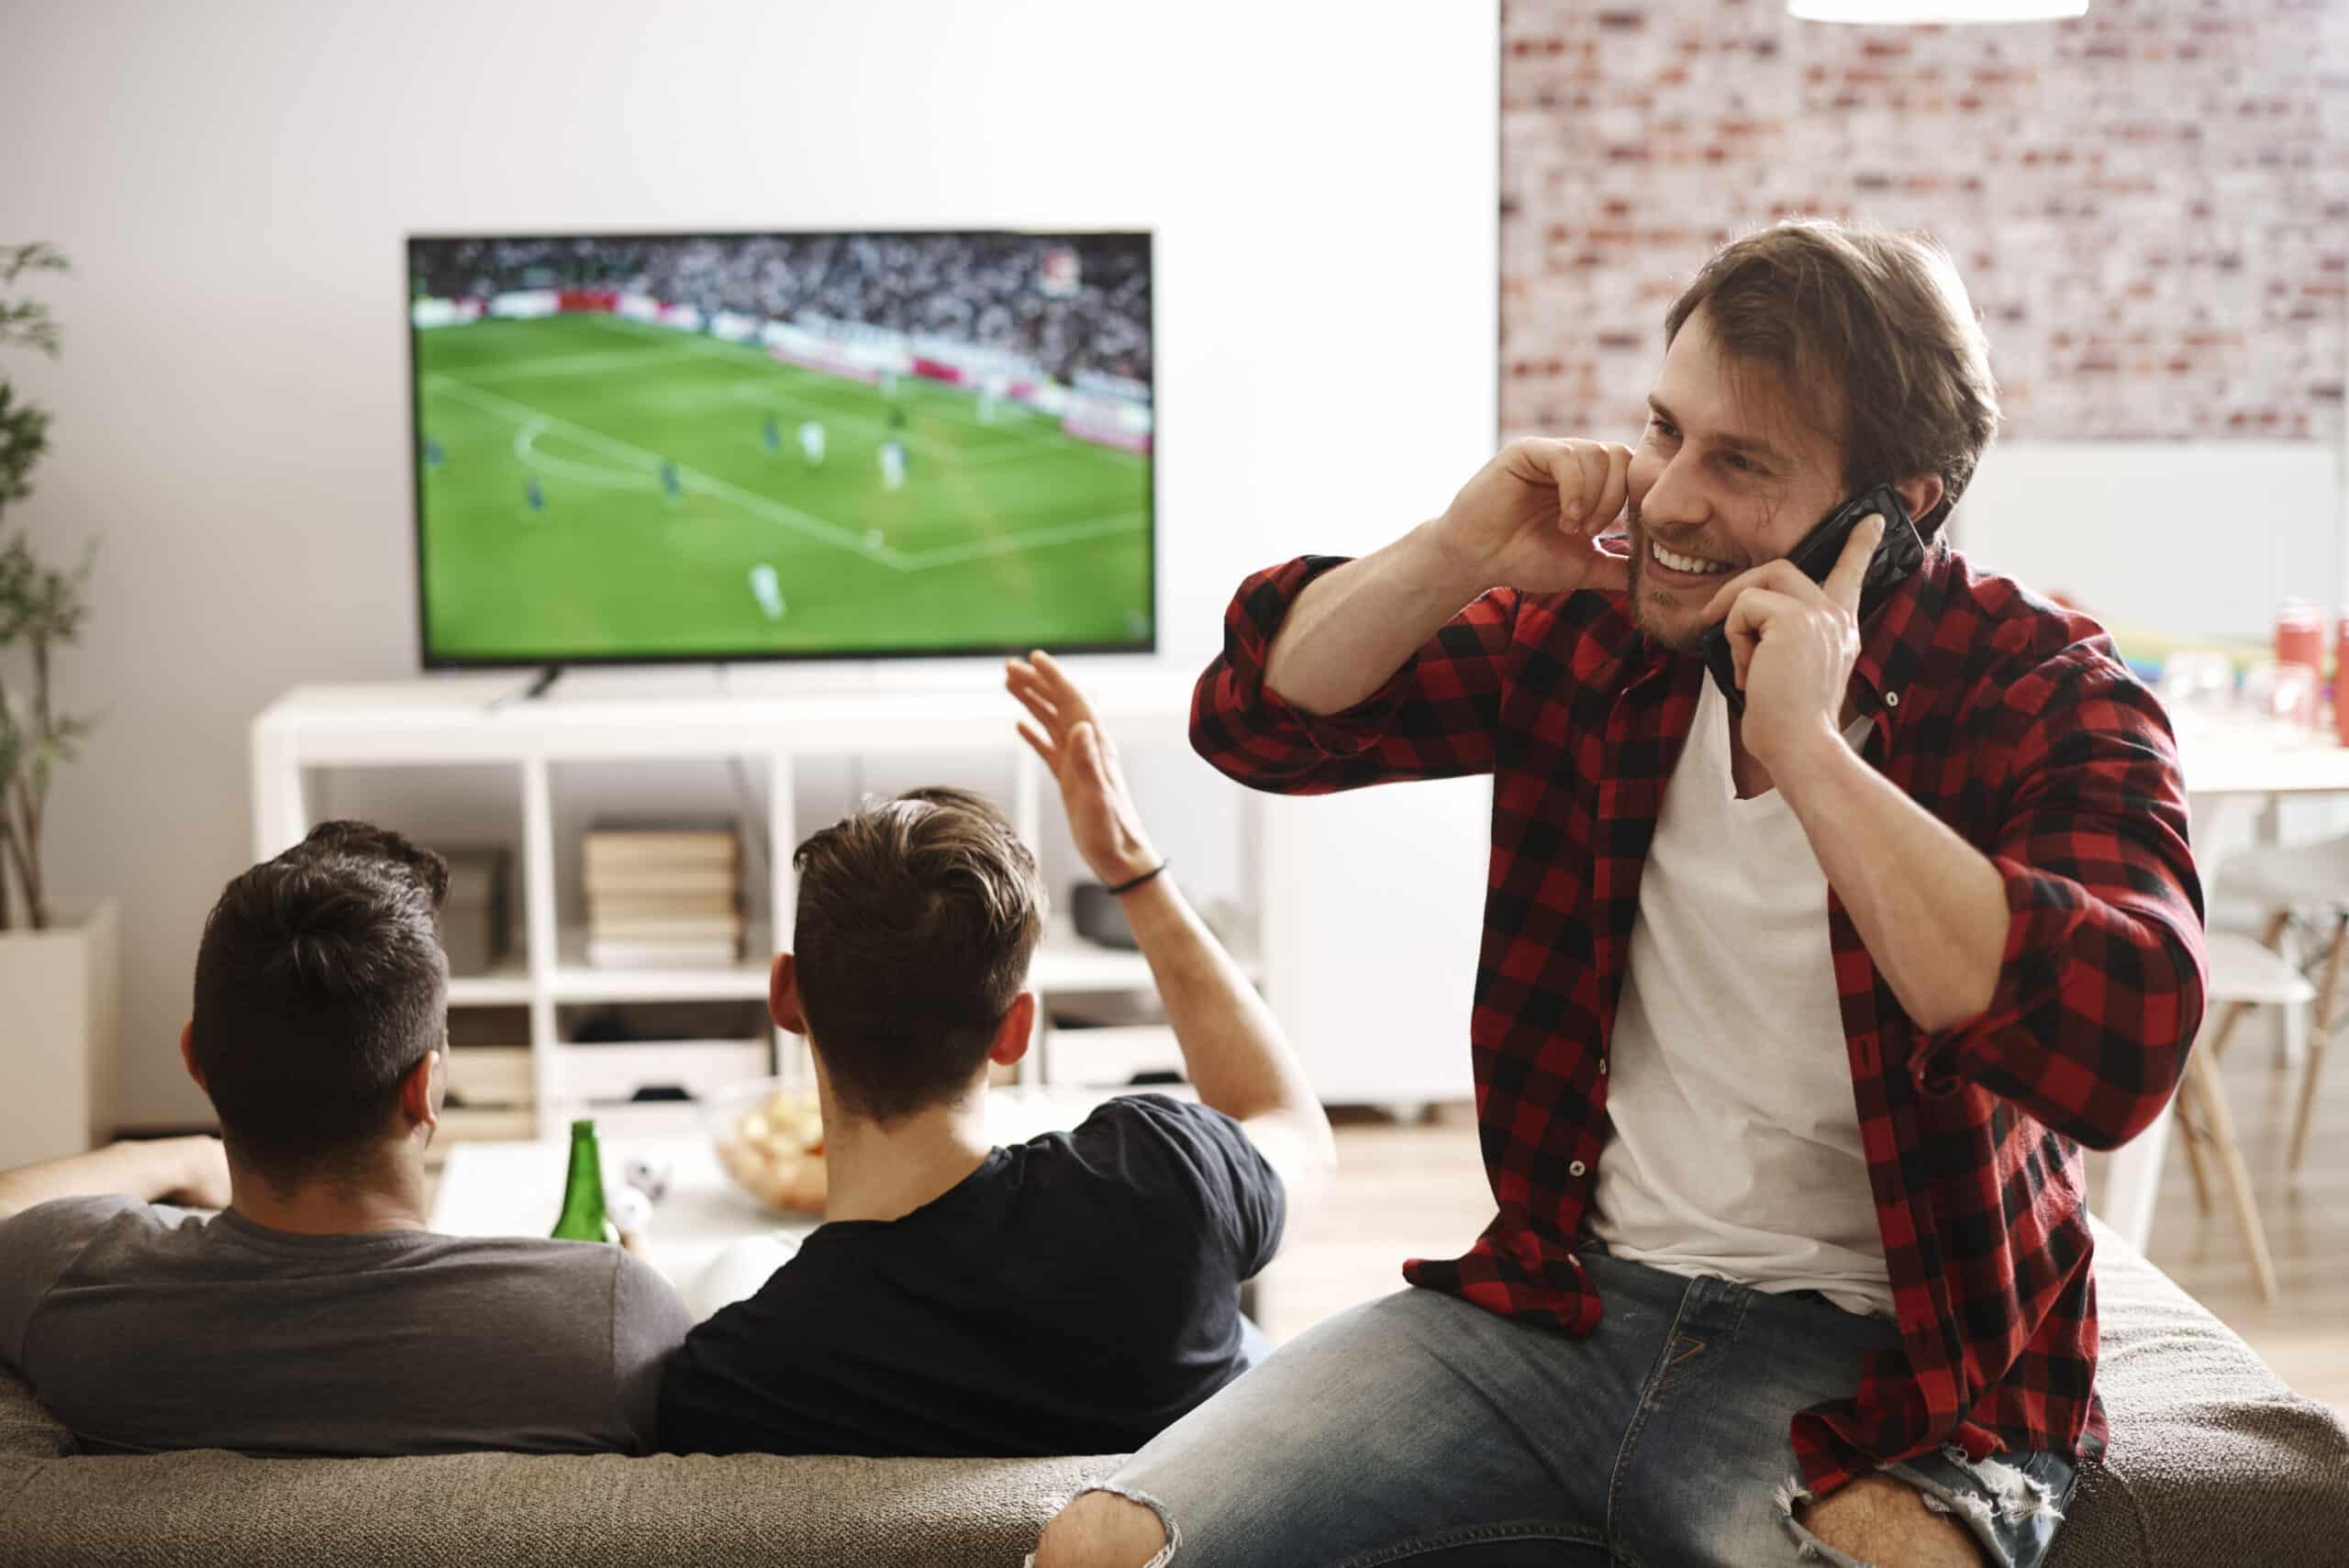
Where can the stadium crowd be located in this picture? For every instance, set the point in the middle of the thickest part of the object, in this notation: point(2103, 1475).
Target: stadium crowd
point(987, 290)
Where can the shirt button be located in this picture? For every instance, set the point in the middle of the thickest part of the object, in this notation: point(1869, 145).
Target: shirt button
point(1602, 1064)
point(1575, 1169)
point(1892, 699)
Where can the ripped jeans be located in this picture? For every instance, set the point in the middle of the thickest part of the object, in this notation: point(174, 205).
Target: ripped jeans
point(1419, 1429)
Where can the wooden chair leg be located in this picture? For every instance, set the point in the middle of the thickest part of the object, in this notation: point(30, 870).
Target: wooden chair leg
point(2308, 1104)
point(2191, 1133)
point(2211, 1093)
point(2217, 1044)
point(2272, 938)
point(2327, 992)
point(2328, 998)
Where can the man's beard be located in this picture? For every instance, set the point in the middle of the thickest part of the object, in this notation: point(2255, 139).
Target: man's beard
point(1680, 640)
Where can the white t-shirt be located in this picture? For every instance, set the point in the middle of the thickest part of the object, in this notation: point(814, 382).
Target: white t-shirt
point(1736, 1149)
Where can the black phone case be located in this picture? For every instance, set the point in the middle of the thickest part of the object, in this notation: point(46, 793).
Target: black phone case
point(1898, 554)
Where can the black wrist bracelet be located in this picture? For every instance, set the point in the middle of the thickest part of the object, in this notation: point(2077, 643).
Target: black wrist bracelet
point(1129, 887)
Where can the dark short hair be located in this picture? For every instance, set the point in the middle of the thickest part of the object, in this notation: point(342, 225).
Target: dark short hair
point(1880, 320)
point(319, 984)
point(917, 918)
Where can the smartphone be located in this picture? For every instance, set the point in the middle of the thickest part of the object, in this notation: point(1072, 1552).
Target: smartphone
point(1898, 554)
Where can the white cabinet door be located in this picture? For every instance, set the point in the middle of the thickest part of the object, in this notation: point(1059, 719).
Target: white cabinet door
point(1372, 911)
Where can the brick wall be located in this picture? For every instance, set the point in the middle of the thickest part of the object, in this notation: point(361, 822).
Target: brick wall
point(2150, 204)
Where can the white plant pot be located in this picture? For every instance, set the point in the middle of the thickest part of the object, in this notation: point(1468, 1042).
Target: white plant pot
point(59, 994)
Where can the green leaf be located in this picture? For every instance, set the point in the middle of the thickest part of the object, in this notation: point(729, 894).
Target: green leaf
point(28, 322)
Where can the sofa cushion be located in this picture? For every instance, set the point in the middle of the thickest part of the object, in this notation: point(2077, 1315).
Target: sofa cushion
point(27, 1429)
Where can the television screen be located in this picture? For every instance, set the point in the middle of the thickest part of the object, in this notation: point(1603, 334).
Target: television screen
point(755, 446)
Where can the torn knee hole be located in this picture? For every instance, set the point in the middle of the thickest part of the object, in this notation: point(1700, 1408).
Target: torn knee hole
point(1106, 1528)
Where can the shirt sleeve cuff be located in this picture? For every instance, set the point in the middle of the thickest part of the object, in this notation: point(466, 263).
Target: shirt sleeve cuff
point(2042, 913)
point(1255, 619)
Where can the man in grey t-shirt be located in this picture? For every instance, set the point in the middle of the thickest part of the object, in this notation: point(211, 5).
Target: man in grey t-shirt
point(316, 1314)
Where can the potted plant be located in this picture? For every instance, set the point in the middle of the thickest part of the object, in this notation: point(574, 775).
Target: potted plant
point(59, 956)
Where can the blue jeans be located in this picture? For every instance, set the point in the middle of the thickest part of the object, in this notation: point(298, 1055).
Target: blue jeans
point(1419, 1428)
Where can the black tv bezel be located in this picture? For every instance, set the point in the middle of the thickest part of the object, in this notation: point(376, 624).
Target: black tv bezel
point(430, 660)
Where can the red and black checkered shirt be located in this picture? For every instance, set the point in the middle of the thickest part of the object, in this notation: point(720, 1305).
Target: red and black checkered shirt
point(2011, 720)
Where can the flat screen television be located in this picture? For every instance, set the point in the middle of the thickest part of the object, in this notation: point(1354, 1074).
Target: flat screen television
point(718, 447)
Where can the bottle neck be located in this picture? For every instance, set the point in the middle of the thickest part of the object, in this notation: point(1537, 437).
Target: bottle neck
point(583, 1217)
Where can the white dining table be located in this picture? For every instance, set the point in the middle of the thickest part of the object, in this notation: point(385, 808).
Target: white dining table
point(2230, 774)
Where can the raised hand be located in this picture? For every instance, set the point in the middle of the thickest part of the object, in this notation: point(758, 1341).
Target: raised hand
point(1532, 518)
point(1795, 642)
point(1061, 730)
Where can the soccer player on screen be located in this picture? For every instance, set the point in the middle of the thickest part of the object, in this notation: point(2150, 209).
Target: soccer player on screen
point(767, 588)
point(811, 442)
point(671, 487)
point(535, 497)
point(893, 452)
point(770, 433)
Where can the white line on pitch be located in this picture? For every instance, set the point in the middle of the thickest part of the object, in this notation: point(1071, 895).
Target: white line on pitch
point(1020, 543)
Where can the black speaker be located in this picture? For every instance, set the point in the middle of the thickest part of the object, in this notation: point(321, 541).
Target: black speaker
point(1099, 918)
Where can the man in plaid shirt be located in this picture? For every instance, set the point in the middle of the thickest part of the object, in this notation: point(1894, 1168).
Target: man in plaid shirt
point(1790, 1022)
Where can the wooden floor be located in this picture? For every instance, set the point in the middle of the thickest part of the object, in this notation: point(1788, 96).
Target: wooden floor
point(1419, 1190)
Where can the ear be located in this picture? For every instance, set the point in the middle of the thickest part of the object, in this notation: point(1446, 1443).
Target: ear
point(420, 1092)
point(1019, 1028)
point(1921, 494)
point(783, 996)
point(187, 1055)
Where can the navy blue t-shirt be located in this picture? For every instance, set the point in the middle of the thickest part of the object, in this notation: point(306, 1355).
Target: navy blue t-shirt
point(1076, 1294)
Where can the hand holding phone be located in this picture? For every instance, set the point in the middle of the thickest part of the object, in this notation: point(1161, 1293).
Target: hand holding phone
point(1897, 555)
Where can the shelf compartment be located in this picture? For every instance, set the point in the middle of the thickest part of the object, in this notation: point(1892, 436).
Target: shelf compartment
point(576, 980)
point(616, 1071)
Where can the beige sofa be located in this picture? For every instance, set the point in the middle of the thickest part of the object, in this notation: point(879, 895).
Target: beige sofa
point(2213, 1462)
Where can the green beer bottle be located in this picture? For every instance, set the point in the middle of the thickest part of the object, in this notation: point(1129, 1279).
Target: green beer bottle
point(583, 1195)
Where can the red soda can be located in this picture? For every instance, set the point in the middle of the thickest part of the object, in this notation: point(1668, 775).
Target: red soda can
point(2299, 635)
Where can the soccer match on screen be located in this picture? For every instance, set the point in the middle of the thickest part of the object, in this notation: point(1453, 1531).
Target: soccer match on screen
point(758, 446)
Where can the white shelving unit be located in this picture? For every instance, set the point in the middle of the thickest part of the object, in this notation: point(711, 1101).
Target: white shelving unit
point(459, 722)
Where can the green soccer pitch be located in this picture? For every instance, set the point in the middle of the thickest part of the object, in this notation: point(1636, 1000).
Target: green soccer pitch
point(1005, 533)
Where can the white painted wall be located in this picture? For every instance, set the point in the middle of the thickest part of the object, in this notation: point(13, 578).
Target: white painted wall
point(2194, 538)
point(233, 179)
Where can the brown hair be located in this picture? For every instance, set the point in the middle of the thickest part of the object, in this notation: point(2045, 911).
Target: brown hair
point(917, 918)
point(1881, 319)
point(319, 986)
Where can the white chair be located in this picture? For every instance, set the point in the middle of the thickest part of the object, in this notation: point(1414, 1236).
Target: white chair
point(2243, 975)
point(2308, 883)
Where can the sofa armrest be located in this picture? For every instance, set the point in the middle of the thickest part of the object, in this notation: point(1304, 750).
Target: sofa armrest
point(2212, 1461)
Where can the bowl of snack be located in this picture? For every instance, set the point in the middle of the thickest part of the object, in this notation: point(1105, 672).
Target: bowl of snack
point(770, 1138)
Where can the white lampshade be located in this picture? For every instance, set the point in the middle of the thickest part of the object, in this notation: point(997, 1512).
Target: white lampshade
point(1917, 12)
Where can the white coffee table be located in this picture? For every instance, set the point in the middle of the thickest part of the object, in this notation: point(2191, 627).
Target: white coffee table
point(493, 1188)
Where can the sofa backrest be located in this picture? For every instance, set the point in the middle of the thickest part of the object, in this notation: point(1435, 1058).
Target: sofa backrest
point(2212, 1462)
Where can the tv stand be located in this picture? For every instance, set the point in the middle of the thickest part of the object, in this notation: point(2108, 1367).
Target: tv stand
point(457, 722)
point(1369, 960)
point(538, 688)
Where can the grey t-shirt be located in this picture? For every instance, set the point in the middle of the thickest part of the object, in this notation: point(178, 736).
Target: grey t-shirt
point(146, 1328)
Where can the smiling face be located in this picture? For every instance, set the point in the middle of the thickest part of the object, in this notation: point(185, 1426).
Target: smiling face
point(1730, 472)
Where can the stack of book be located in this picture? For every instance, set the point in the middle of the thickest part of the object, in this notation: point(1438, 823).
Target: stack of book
point(664, 897)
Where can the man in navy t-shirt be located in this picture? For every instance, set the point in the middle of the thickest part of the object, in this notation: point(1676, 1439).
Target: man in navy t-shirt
point(1076, 1294)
